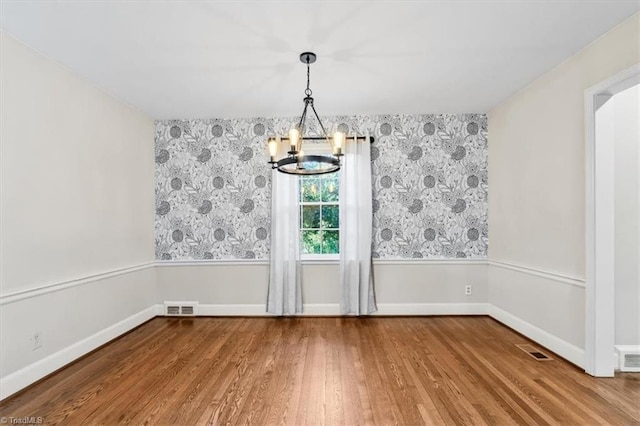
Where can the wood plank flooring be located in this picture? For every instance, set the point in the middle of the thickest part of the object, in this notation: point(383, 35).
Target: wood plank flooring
point(325, 371)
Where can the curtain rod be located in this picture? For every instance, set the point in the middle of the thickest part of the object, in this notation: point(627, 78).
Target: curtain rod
point(320, 138)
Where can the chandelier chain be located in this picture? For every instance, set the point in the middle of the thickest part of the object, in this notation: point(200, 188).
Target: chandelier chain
point(308, 91)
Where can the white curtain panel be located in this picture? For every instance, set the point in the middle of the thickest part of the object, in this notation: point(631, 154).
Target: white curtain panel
point(285, 295)
point(356, 278)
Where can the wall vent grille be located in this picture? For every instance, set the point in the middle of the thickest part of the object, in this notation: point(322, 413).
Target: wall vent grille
point(180, 309)
point(632, 360)
point(173, 310)
point(628, 358)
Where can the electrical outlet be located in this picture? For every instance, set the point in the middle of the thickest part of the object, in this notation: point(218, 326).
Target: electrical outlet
point(467, 290)
point(36, 340)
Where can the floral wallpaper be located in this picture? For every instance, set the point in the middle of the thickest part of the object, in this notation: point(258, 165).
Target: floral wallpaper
point(430, 185)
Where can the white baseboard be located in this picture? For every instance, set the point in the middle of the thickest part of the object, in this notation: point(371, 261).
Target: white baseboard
point(333, 309)
point(256, 310)
point(22, 378)
point(431, 309)
point(565, 349)
point(404, 309)
point(158, 309)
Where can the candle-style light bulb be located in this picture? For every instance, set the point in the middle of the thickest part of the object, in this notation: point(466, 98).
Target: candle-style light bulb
point(272, 145)
point(338, 143)
point(294, 136)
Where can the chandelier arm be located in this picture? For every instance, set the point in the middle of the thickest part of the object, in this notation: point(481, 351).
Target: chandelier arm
point(303, 117)
point(319, 121)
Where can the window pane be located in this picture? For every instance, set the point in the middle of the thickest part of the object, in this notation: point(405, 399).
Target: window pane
point(330, 189)
point(311, 242)
point(330, 216)
point(310, 190)
point(319, 222)
point(330, 242)
point(311, 216)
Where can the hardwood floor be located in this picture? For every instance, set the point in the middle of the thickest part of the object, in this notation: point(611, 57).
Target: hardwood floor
point(332, 371)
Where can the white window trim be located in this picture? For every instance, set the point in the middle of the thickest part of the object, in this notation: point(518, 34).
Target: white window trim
point(318, 257)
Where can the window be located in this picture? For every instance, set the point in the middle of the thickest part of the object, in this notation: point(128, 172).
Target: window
point(320, 214)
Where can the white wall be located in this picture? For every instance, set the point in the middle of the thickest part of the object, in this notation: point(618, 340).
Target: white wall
point(77, 201)
point(537, 197)
point(402, 287)
point(76, 169)
point(626, 107)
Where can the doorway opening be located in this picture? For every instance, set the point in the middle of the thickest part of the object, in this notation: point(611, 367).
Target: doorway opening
point(600, 221)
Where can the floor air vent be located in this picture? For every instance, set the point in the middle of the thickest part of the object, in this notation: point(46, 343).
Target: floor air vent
point(180, 309)
point(628, 358)
point(534, 352)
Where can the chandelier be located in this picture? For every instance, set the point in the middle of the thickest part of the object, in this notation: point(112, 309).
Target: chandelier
point(296, 161)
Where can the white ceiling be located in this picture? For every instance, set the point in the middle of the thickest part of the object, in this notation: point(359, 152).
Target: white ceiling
point(187, 59)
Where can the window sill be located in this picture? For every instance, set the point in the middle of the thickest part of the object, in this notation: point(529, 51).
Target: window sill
point(310, 259)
